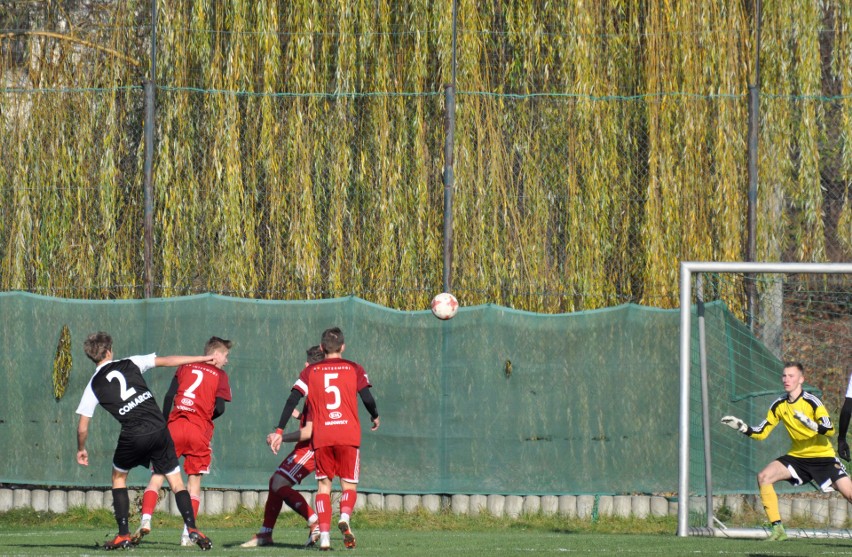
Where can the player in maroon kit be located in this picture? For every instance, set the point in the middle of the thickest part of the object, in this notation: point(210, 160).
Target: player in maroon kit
point(199, 393)
point(331, 387)
point(298, 465)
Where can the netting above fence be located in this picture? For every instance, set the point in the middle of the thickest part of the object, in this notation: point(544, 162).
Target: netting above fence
point(300, 147)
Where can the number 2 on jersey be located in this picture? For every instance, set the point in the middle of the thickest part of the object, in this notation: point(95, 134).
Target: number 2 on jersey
point(190, 392)
point(329, 388)
point(122, 382)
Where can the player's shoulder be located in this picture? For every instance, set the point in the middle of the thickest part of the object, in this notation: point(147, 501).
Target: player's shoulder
point(777, 402)
point(811, 399)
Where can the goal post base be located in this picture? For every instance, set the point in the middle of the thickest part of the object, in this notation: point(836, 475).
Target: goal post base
point(763, 533)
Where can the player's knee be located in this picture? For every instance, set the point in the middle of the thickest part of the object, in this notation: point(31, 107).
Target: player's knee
point(277, 481)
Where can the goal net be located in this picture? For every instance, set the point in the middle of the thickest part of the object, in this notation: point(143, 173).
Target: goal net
point(739, 323)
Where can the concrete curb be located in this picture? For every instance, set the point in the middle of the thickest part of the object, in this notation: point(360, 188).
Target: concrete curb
point(831, 510)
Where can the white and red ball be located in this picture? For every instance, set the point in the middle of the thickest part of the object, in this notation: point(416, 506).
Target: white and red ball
point(444, 306)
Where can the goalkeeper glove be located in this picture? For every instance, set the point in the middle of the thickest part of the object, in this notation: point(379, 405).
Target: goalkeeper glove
point(843, 449)
point(809, 423)
point(735, 423)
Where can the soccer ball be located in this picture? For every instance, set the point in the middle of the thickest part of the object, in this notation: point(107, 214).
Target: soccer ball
point(444, 306)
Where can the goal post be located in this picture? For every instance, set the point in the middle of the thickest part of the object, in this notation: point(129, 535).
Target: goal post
point(692, 304)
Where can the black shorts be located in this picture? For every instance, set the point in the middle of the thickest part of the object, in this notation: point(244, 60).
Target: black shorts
point(823, 471)
point(156, 449)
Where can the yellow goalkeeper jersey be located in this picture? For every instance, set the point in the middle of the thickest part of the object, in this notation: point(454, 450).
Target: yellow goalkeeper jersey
point(806, 442)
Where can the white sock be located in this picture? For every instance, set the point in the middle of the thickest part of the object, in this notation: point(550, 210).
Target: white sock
point(146, 517)
point(313, 519)
point(344, 517)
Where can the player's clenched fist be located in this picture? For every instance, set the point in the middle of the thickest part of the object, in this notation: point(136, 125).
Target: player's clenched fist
point(735, 423)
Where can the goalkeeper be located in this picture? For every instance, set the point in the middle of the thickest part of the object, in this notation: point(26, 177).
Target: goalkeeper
point(811, 456)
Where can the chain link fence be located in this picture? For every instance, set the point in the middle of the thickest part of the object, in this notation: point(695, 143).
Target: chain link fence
point(299, 151)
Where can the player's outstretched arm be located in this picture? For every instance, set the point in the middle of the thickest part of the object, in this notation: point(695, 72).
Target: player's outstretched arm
point(735, 423)
point(174, 361)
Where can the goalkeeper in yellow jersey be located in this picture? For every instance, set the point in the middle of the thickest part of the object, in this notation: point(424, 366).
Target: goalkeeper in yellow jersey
point(811, 456)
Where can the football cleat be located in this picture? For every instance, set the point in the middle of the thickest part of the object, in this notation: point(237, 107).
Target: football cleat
point(348, 536)
point(199, 539)
point(119, 542)
point(778, 533)
point(143, 530)
point(313, 534)
point(259, 540)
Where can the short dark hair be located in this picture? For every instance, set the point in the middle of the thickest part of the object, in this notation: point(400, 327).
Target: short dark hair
point(332, 340)
point(97, 345)
point(216, 343)
point(315, 354)
point(798, 365)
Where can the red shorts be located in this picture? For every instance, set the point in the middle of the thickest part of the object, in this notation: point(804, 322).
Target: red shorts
point(193, 444)
point(338, 461)
point(298, 465)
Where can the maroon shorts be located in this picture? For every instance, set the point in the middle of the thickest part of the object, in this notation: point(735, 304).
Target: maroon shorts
point(298, 465)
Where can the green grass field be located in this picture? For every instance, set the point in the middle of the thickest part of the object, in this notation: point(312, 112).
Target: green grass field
point(28, 533)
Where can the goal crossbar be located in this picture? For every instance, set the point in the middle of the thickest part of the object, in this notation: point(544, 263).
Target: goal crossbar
point(687, 270)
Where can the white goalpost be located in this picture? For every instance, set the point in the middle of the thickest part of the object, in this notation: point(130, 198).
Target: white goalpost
point(695, 278)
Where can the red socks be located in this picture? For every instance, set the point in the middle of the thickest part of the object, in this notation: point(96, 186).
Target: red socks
point(324, 511)
point(347, 501)
point(149, 501)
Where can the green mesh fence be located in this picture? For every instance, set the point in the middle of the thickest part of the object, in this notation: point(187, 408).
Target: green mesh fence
point(493, 401)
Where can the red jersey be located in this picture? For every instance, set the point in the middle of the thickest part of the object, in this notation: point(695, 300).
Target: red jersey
point(199, 385)
point(331, 387)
